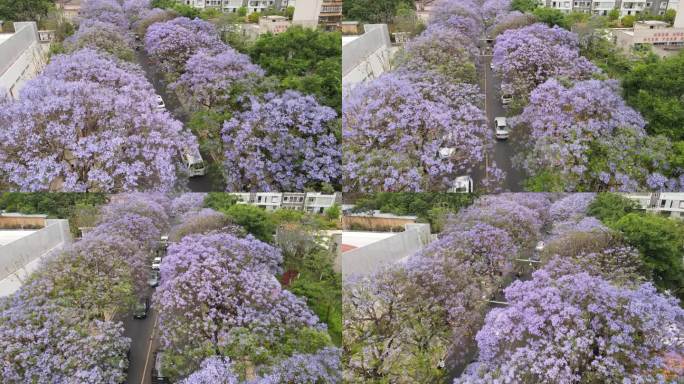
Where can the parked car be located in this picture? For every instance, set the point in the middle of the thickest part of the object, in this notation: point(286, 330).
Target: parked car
point(141, 308)
point(158, 375)
point(462, 184)
point(500, 127)
point(194, 163)
point(506, 99)
point(445, 153)
point(156, 263)
point(153, 281)
point(160, 103)
point(540, 246)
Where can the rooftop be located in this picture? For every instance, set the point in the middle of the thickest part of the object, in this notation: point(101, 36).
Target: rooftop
point(358, 239)
point(10, 235)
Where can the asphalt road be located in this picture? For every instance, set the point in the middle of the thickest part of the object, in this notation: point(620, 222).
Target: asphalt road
point(457, 365)
point(198, 183)
point(504, 150)
point(140, 359)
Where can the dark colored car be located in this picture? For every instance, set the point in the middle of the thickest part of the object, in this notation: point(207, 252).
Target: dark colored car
point(141, 309)
point(158, 376)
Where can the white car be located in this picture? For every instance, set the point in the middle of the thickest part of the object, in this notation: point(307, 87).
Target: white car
point(500, 127)
point(156, 263)
point(194, 163)
point(160, 103)
point(506, 99)
point(446, 152)
point(539, 247)
point(462, 184)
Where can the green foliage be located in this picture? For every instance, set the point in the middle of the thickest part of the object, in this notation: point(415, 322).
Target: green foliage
point(546, 181)
point(628, 21)
point(669, 16)
point(551, 17)
point(182, 9)
point(333, 213)
point(210, 13)
point(55, 205)
point(254, 17)
point(374, 11)
point(304, 59)
point(407, 20)
point(428, 207)
point(289, 12)
point(614, 14)
point(611, 207)
point(220, 201)
point(661, 243)
point(605, 55)
point(253, 219)
point(242, 11)
point(25, 10)
point(524, 5)
point(656, 88)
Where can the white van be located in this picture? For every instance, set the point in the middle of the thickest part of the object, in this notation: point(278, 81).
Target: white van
point(462, 184)
point(194, 164)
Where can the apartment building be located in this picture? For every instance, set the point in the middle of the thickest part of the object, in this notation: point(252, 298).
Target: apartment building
point(666, 203)
point(313, 202)
point(602, 7)
point(232, 6)
point(326, 13)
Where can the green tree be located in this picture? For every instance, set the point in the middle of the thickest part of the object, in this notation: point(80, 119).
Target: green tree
point(220, 201)
point(374, 11)
point(289, 12)
point(304, 59)
point(614, 14)
point(25, 10)
point(524, 5)
point(628, 21)
point(333, 213)
point(551, 17)
point(656, 90)
point(669, 16)
point(661, 243)
point(253, 219)
point(242, 11)
point(254, 17)
point(611, 207)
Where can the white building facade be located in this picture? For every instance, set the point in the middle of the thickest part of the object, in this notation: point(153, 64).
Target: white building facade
point(667, 203)
point(603, 7)
point(22, 57)
point(313, 202)
point(232, 6)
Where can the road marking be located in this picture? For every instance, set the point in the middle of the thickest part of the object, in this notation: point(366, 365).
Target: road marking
point(149, 349)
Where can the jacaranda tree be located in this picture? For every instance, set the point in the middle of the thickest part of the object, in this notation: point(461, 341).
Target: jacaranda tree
point(286, 142)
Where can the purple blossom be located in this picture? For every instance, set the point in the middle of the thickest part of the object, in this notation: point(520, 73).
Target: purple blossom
point(187, 202)
point(285, 143)
point(572, 206)
point(90, 123)
point(218, 79)
point(397, 127)
point(529, 56)
point(575, 328)
point(171, 43)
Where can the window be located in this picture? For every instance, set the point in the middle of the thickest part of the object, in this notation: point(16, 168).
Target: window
point(662, 203)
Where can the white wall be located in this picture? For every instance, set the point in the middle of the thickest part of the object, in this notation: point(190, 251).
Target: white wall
point(21, 257)
point(21, 57)
point(373, 257)
point(366, 57)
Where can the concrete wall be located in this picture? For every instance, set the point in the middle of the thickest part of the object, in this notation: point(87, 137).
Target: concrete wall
point(17, 254)
point(374, 223)
point(375, 256)
point(11, 222)
point(367, 57)
point(21, 57)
